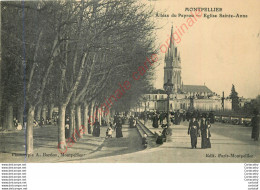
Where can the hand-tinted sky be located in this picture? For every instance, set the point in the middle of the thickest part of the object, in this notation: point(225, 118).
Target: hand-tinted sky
point(217, 51)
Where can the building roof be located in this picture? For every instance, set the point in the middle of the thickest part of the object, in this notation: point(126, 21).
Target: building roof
point(196, 88)
point(157, 91)
point(186, 89)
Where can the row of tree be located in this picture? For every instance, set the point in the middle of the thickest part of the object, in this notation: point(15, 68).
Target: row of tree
point(70, 55)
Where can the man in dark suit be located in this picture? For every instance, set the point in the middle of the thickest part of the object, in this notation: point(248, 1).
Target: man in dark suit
point(193, 131)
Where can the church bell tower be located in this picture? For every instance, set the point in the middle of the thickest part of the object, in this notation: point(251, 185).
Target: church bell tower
point(172, 66)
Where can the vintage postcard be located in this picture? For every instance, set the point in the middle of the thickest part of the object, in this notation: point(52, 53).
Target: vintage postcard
point(150, 81)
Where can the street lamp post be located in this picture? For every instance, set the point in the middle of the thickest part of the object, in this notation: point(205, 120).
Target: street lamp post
point(168, 87)
point(139, 108)
point(145, 115)
point(191, 102)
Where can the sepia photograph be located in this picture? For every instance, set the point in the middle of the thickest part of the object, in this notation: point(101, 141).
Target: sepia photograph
point(128, 81)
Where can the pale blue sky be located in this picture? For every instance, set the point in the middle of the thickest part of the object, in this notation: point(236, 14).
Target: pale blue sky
point(217, 51)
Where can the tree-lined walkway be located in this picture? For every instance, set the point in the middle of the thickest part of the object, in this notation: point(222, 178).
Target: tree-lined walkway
point(67, 64)
point(88, 147)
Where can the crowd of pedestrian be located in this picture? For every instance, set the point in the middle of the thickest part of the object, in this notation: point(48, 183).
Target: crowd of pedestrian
point(176, 117)
point(115, 126)
point(199, 125)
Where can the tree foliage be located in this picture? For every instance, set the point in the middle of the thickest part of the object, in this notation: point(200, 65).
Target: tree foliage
point(235, 99)
point(73, 53)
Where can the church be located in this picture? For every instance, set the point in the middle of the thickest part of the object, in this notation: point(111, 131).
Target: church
point(184, 96)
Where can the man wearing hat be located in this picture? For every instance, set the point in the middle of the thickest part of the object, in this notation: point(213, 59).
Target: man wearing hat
point(193, 131)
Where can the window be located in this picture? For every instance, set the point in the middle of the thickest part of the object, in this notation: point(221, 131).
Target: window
point(155, 97)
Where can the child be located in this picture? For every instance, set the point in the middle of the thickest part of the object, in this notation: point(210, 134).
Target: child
point(109, 131)
point(19, 127)
point(144, 141)
point(35, 123)
point(135, 122)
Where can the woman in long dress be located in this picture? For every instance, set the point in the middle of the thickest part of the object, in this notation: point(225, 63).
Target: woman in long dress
point(119, 128)
point(205, 133)
point(208, 125)
point(155, 121)
point(131, 121)
point(96, 129)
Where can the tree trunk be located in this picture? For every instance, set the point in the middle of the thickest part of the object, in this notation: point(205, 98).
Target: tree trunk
point(10, 117)
point(44, 109)
point(61, 127)
point(94, 114)
point(1, 86)
point(4, 121)
point(38, 113)
point(78, 116)
point(99, 117)
point(1, 103)
point(86, 116)
point(72, 121)
point(29, 130)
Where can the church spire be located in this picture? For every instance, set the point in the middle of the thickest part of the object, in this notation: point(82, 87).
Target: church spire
point(171, 40)
point(172, 69)
point(170, 53)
